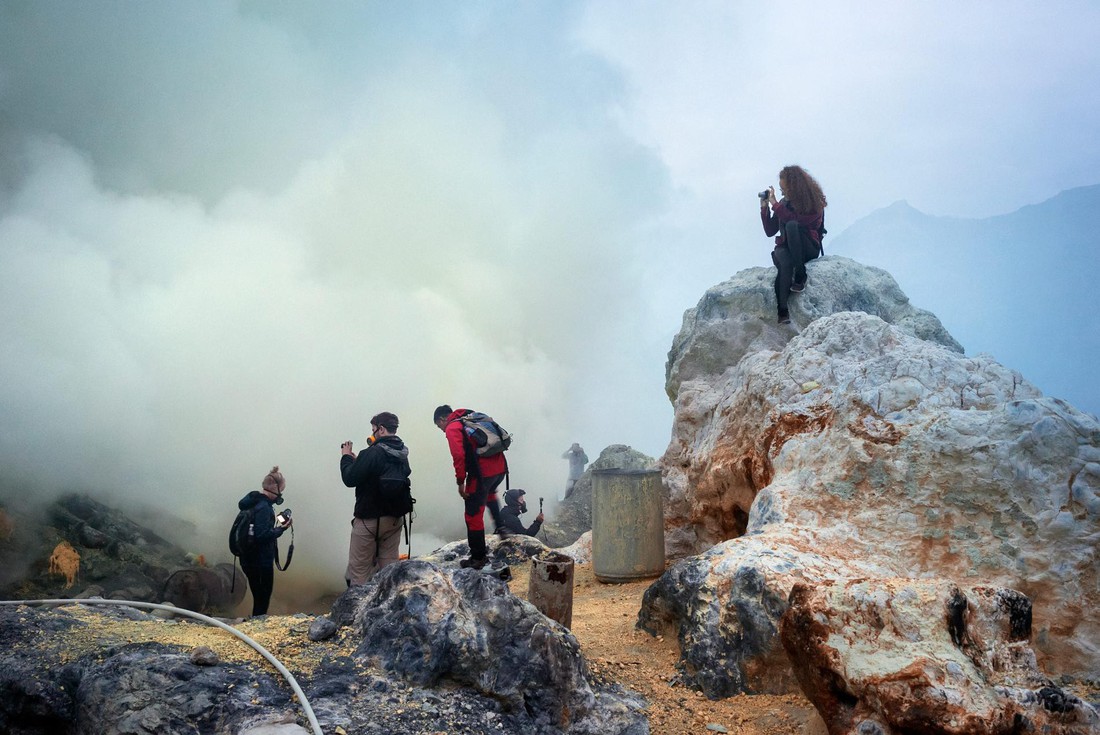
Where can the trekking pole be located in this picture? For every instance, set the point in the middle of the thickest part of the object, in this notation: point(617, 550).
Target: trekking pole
point(542, 533)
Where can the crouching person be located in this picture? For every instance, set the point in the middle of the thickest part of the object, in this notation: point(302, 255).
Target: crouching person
point(514, 507)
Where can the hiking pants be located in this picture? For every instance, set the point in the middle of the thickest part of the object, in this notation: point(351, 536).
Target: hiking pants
point(790, 261)
point(374, 544)
point(261, 580)
point(485, 493)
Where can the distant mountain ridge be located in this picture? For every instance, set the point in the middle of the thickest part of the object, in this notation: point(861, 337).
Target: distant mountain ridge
point(1020, 286)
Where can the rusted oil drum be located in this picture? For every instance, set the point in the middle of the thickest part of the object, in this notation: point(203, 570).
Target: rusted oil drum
point(551, 586)
point(628, 535)
point(204, 589)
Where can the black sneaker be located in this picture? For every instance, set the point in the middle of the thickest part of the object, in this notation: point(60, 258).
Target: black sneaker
point(784, 318)
point(798, 287)
point(472, 563)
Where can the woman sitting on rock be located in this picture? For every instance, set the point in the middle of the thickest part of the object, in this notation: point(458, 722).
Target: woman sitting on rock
point(799, 220)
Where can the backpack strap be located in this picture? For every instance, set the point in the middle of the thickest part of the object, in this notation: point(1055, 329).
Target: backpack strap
point(469, 451)
point(377, 538)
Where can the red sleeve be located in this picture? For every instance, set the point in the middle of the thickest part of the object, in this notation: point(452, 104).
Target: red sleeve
point(458, 450)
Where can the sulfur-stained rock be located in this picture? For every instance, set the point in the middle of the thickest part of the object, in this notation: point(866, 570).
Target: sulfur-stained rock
point(725, 604)
point(858, 448)
point(898, 656)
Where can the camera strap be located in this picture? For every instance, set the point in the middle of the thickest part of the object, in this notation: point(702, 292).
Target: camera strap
point(289, 553)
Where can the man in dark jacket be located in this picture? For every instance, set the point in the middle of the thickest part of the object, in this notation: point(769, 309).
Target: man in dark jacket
point(514, 507)
point(379, 474)
point(258, 556)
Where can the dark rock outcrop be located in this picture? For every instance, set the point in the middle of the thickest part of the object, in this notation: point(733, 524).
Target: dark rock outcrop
point(516, 549)
point(423, 648)
point(105, 553)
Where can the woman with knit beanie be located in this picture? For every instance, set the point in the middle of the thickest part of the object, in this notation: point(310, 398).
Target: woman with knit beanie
point(258, 557)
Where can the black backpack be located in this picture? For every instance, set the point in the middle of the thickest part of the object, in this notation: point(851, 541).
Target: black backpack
point(395, 499)
point(394, 489)
point(241, 540)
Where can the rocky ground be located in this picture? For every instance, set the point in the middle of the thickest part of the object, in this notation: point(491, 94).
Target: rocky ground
point(603, 621)
point(604, 617)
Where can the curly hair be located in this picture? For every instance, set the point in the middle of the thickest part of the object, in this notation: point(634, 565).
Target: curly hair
point(802, 190)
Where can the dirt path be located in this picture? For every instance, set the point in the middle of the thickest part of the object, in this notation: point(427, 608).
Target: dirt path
point(603, 622)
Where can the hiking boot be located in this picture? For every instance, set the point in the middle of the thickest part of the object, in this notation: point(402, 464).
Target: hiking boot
point(784, 318)
point(798, 287)
point(472, 563)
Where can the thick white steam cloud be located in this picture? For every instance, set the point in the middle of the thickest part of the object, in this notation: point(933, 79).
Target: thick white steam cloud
point(230, 236)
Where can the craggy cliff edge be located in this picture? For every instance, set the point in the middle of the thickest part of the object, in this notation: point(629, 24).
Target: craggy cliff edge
point(860, 443)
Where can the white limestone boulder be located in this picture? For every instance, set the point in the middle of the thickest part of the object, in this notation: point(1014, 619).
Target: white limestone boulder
point(847, 446)
point(896, 656)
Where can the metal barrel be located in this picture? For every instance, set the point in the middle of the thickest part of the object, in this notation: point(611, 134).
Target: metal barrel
point(550, 588)
point(628, 535)
point(205, 589)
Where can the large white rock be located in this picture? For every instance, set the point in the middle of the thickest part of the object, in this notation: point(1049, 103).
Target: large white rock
point(895, 656)
point(856, 447)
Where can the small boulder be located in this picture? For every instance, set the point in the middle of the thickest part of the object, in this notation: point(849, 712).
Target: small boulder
point(204, 656)
point(322, 628)
point(91, 538)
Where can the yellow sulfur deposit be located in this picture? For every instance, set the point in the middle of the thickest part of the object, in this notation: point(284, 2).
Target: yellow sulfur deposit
point(65, 560)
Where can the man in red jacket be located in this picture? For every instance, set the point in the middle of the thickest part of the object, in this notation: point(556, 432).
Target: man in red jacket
point(477, 479)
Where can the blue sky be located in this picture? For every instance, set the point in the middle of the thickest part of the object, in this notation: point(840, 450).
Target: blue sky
point(231, 232)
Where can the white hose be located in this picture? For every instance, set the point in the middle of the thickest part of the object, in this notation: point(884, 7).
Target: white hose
point(198, 616)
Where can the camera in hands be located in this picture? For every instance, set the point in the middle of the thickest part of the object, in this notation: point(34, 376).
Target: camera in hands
point(764, 194)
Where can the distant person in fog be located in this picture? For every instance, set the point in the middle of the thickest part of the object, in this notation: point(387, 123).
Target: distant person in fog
point(577, 460)
point(798, 221)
